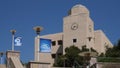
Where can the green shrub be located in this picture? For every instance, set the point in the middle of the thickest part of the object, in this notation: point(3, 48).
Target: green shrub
point(108, 59)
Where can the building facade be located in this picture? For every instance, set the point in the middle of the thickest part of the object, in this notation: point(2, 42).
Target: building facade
point(78, 30)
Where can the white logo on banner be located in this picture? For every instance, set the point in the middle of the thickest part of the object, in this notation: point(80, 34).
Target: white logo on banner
point(18, 41)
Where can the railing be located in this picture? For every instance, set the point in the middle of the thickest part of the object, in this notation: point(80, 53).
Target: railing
point(10, 64)
point(16, 62)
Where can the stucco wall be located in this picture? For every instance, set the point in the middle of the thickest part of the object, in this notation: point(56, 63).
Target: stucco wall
point(101, 41)
point(2, 66)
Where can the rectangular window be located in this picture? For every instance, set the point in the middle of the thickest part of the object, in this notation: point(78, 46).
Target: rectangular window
point(53, 55)
point(89, 38)
point(53, 43)
point(74, 40)
point(60, 42)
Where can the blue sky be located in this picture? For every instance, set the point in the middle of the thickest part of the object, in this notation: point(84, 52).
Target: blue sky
point(23, 15)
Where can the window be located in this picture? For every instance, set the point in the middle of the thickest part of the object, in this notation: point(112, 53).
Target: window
point(53, 43)
point(60, 42)
point(53, 55)
point(74, 40)
point(89, 38)
point(90, 28)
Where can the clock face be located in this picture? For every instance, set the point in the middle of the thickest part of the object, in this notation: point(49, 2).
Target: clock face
point(74, 26)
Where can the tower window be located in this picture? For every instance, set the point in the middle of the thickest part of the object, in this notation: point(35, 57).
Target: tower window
point(53, 43)
point(60, 42)
point(90, 28)
point(74, 40)
point(53, 55)
point(89, 38)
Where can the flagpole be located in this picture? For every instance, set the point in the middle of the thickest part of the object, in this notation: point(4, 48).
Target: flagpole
point(13, 34)
point(12, 42)
point(38, 29)
point(1, 55)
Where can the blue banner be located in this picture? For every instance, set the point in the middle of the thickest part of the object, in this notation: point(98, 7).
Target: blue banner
point(45, 45)
point(18, 41)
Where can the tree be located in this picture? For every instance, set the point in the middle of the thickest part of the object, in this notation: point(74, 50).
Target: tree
point(60, 61)
point(113, 52)
point(84, 48)
point(72, 55)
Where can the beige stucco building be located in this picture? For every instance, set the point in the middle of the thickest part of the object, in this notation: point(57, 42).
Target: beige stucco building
point(78, 30)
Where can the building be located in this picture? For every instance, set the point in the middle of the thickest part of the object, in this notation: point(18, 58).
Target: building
point(78, 30)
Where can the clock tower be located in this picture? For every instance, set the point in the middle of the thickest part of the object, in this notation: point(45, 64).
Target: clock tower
point(78, 28)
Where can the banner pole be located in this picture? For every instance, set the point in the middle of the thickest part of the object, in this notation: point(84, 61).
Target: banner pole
point(38, 39)
point(13, 33)
point(38, 29)
point(13, 42)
